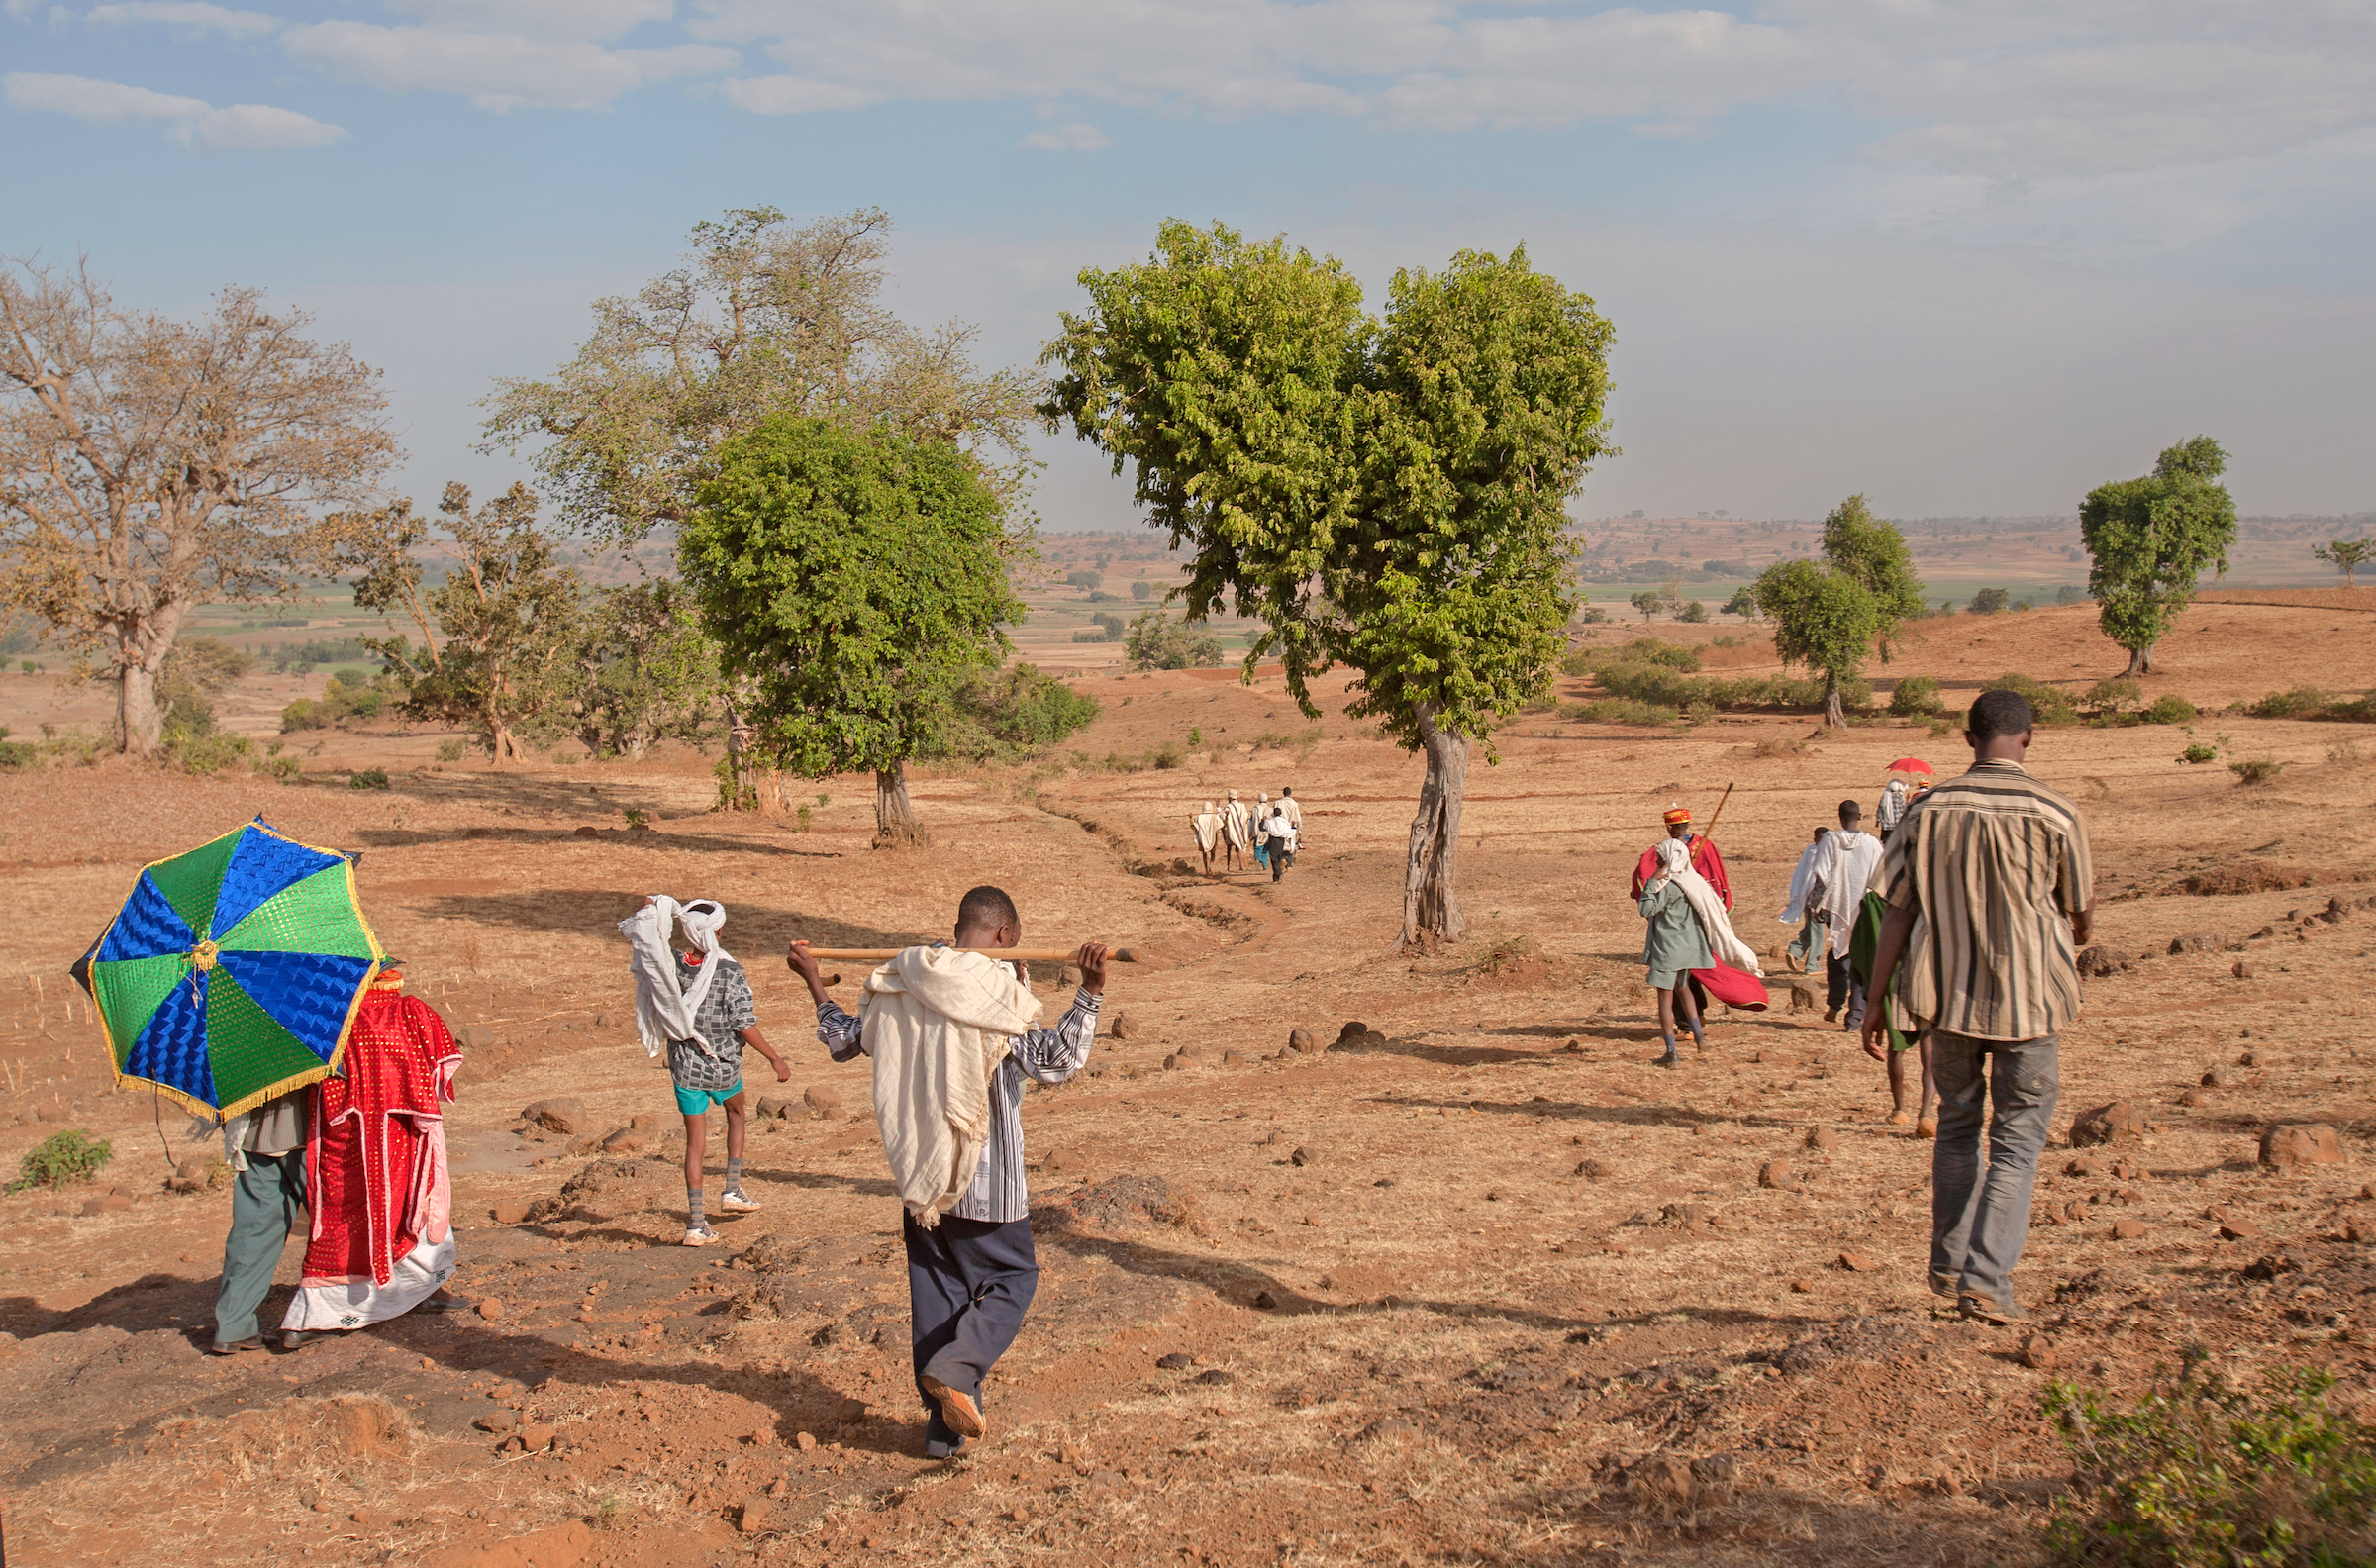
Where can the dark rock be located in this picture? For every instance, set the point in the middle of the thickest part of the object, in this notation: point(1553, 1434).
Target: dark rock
point(824, 1102)
point(1177, 1361)
point(1232, 1058)
point(1301, 1040)
point(1305, 1156)
point(1123, 1027)
point(2196, 942)
point(1215, 1377)
point(1266, 1300)
point(2099, 961)
point(2210, 1079)
point(2242, 970)
point(1593, 1170)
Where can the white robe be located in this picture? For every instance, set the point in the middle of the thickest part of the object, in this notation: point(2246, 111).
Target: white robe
point(1843, 870)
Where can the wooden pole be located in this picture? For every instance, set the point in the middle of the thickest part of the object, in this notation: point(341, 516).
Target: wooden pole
point(1709, 833)
point(1005, 954)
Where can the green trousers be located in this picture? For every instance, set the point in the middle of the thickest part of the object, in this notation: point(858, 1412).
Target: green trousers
point(267, 1202)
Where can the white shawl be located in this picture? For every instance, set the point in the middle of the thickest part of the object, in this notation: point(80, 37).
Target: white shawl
point(1674, 866)
point(1207, 825)
point(664, 1009)
point(1796, 915)
point(937, 1023)
point(1234, 820)
point(1843, 868)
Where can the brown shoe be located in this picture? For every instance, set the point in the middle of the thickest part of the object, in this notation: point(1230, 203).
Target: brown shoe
point(1830, 1014)
point(1926, 1128)
point(1949, 1285)
point(957, 1408)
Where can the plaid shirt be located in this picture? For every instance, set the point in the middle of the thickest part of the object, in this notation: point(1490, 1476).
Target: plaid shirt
point(1051, 1055)
point(714, 1063)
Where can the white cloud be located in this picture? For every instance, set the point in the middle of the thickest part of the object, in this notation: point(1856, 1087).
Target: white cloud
point(1074, 138)
point(257, 128)
point(2015, 89)
point(242, 128)
point(99, 102)
point(540, 19)
point(497, 71)
point(193, 14)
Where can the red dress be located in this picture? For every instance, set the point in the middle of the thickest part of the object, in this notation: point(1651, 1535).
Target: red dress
point(1704, 859)
point(375, 1166)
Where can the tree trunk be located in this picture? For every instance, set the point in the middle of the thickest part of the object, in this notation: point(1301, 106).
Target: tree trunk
point(2140, 661)
point(894, 823)
point(1834, 716)
point(773, 799)
point(139, 720)
point(501, 743)
point(1430, 906)
point(741, 793)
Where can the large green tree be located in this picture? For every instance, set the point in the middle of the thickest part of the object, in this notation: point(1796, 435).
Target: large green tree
point(1387, 493)
point(858, 579)
point(1834, 613)
point(2154, 539)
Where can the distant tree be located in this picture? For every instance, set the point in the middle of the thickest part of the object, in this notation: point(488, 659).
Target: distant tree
point(2347, 555)
point(764, 319)
point(150, 465)
point(1156, 642)
point(1693, 613)
point(1141, 589)
point(1988, 600)
point(1388, 494)
point(509, 616)
point(2152, 540)
point(858, 580)
point(1650, 602)
point(1085, 578)
point(646, 669)
point(1743, 602)
point(1834, 613)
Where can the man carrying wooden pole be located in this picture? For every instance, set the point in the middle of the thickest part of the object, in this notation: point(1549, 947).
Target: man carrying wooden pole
point(949, 1031)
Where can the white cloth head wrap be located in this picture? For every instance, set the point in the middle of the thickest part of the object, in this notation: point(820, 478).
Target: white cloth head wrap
point(664, 1008)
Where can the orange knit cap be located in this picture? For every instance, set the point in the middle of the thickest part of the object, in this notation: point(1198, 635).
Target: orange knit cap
point(1678, 813)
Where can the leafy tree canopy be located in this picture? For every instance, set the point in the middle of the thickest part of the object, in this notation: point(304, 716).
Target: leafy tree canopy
point(764, 319)
point(858, 579)
point(2152, 540)
point(1834, 613)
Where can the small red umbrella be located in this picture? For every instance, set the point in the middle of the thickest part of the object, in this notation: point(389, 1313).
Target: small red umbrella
point(1909, 765)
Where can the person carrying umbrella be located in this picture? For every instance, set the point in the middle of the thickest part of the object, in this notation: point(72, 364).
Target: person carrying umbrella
point(229, 981)
point(1897, 794)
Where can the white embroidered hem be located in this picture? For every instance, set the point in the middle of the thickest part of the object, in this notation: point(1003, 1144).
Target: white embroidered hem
point(354, 1303)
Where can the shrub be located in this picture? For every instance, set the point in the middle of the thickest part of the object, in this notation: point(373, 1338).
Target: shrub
point(2106, 698)
point(1693, 613)
point(452, 751)
point(1988, 600)
point(2170, 708)
point(2302, 702)
point(2197, 751)
point(1017, 710)
point(2199, 1476)
point(2050, 705)
point(2256, 770)
point(1623, 711)
point(72, 1155)
point(1744, 603)
point(1156, 642)
point(1917, 697)
point(1196, 735)
point(203, 754)
point(369, 779)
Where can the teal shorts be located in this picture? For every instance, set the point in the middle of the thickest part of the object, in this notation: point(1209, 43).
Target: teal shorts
point(697, 1102)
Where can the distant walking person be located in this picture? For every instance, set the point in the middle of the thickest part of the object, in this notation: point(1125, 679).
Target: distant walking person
point(1281, 836)
point(1843, 866)
point(1991, 892)
point(1801, 950)
point(1892, 810)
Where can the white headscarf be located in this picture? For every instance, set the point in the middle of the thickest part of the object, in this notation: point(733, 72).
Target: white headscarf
point(664, 1008)
point(1674, 866)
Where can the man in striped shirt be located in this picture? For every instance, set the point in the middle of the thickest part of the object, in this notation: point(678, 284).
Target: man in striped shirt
point(1991, 892)
point(972, 1277)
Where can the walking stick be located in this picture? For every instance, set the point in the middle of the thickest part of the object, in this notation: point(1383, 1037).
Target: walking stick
point(1003, 954)
point(1709, 833)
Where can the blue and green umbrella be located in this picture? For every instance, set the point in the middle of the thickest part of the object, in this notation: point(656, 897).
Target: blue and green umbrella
point(234, 971)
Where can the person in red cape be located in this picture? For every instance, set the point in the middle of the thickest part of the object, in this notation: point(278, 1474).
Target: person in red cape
point(382, 1236)
point(1704, 858)
point(1735, 987)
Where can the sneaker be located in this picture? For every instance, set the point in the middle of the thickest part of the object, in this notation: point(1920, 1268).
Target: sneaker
point(699, 1236)
point(957, 1408)
point(732, 1201)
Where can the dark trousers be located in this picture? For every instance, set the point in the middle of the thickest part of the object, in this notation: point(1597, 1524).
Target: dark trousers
point(266, 1201)
point(1842, 986)
point(969, 1283)
point(1280, 861)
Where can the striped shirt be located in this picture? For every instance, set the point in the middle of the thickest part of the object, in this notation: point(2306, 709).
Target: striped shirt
point(1995, 866)
point(1051, 1055)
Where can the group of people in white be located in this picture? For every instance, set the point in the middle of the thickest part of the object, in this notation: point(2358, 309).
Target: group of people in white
point(1270, 832)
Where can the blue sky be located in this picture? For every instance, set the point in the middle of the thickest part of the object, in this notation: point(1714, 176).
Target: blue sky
point(1966, 259)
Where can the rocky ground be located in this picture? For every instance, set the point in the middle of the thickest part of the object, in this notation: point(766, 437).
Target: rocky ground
point(1470, 1283)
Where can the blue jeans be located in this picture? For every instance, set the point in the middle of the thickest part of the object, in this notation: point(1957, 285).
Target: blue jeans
point(1980, 1220)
